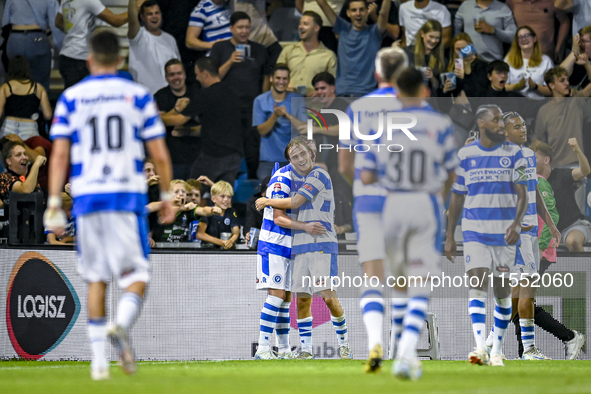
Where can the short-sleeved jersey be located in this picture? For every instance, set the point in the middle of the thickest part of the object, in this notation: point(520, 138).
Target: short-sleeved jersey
point(368, 198)
point(487, 177)
point(213, 19)
point(319, 207)
point(531, 216)
point(422, 165)
point(274, 239)
point(107, 120)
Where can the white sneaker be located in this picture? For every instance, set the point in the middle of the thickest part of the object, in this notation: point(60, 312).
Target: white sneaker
point(574, 346)
point(479, 357)
point(119, 337)
point(345, 352)
point(534, 354)
point(496, 360)
point(100, 373)
point(407, 369)
point(305, 356)
point(268, 355)
point(287, 355)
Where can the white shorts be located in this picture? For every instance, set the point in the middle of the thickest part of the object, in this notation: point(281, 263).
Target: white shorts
point(312, 272)
point(274, 272)
point(498, 259)
point(113, 243)
point(413, 233)
point(527, 256)
point(370, 241)
point(582, 225)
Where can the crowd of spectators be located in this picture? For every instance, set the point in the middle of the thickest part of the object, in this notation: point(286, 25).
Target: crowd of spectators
point(225, 85)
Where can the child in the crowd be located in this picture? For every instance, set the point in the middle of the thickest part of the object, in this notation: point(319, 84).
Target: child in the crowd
point(68, 237)
point(211, 228)
point(178, 231)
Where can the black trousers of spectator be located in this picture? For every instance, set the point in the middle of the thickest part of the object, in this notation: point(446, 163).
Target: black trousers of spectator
point(251, 140)
point(224, 168)
point(72, 70)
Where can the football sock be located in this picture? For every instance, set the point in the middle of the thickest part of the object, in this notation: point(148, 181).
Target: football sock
point(129, 305)
point(282, 327)
point(97, 332)
point(414, 320)
point(372, 304)
point(528, 336)
point(477, 310)
point(268, 321)
point(503, 308)
point(399, 304)
point(491, 334)
point(340, 327)
point(305, 329)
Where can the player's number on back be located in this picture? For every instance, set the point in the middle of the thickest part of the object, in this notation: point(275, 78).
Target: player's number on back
point(114, 129)
point(415, 166)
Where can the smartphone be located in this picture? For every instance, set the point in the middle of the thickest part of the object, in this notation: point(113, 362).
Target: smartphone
point(459, 64)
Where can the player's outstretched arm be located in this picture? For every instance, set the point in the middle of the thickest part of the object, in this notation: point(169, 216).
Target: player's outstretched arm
point(456, 205)
point(282, 220)
point(281, 203)
point(545, 214)
point(513, 232)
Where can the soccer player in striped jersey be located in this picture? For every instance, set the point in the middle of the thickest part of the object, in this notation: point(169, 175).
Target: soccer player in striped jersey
point(100, 127)
point(368, 204)
point(212, 18)
point(274, 264)
point(315, 256)
point(415, 179)
point(490, 192)
point(528, 256)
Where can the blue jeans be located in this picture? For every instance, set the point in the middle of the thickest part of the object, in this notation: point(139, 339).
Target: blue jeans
point(34, 47)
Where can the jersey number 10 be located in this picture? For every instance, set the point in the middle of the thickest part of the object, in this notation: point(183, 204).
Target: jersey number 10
point(114, 128)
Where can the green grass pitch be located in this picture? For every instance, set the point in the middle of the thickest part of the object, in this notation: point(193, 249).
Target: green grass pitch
point(292, 376)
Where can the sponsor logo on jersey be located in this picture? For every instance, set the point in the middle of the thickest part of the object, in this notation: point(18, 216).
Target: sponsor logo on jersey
point(505, 162)
point(41, 306)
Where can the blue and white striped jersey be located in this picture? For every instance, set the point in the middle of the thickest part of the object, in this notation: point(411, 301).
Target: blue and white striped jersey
point(422, 165)
point(487, 177)
point(213, 19)
point(368, 198)
point(274, 239)
point(317, 189)
point(531, 216)
point(107, 120)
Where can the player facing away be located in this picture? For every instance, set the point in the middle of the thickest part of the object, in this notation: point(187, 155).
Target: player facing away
point(315, 256)
point(100, 128)
point(416, 179)
point(274, 264)
point(369, 201)
point(527, 261)
point(490, 192)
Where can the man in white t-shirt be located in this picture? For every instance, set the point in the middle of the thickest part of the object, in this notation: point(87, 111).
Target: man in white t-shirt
point(149, 47)
point(414, 14)
point(77, 19)
point(581, 10)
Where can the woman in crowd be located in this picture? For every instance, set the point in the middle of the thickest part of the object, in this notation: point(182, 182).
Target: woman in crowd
point(527, 65)
point(575, 62)
point(470, 73)
point(20, 99)
point(427, 54)
point(30, 20)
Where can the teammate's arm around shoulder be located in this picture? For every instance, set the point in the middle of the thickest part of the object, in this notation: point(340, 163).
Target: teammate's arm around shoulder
point(281, 203)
